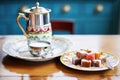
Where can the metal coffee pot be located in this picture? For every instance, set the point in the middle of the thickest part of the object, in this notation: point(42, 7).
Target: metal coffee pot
point(38, 26)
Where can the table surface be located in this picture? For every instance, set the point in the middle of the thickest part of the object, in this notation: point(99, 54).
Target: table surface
point(17, 69)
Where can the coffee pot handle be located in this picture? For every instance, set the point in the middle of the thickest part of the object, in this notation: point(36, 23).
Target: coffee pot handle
point(18, 22)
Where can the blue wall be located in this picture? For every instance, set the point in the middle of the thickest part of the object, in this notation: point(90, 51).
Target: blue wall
point(82, 12)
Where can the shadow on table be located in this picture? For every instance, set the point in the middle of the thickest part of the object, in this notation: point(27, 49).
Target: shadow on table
point(29, 67)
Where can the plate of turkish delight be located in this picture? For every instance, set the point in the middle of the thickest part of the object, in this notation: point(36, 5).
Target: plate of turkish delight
point(88, 60)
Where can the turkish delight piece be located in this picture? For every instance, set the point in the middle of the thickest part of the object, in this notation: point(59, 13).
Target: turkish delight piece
point(96, 63)
point(90, 56)
point(85, 63)
point(76, 61)
point(81, 54)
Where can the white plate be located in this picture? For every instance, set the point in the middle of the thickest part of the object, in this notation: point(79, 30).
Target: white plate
point(66, 59)
point(18, 48)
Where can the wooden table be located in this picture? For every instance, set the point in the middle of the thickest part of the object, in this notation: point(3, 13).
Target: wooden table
point(16, 69)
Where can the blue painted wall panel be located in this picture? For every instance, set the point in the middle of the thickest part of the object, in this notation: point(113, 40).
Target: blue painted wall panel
point(82, 12)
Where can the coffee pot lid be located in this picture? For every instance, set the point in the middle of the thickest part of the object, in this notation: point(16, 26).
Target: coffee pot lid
point(37, 9)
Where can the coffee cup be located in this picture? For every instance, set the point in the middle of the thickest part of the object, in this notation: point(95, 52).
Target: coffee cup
point(39, 48)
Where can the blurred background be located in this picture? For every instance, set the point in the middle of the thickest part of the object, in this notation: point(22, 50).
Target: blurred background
point(89, 16)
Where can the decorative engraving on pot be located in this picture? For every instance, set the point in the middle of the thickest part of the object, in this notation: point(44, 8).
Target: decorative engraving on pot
point(43, 33)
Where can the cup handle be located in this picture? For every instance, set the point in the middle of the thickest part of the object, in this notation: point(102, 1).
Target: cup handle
point(18, 22)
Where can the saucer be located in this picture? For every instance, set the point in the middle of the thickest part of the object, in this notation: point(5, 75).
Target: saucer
point(18, 48)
